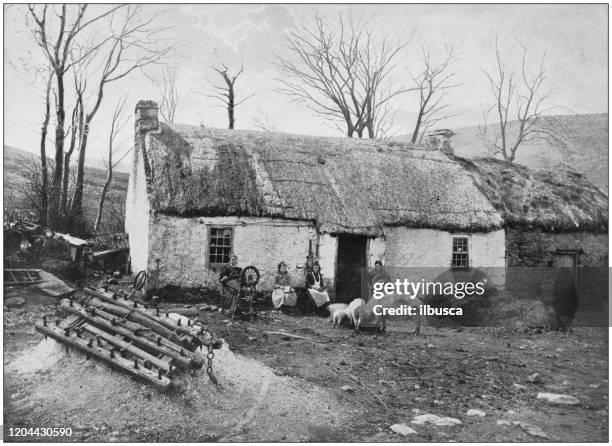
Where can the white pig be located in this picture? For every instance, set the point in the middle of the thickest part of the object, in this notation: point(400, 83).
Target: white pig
point(353, 310)
point(333, 308)
point(339, 315)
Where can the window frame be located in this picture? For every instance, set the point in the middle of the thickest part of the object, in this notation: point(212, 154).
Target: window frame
point(466, 253)
point(209, 228)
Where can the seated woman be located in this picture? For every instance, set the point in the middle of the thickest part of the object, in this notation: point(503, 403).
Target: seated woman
point(283, 294)
point(316, 287)
point(230, 282)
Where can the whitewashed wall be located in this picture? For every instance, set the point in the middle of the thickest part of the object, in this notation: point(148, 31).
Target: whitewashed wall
point(182, 246)
point(137, 215)
point(376, 250)
point(328, 249)
point(429, 251)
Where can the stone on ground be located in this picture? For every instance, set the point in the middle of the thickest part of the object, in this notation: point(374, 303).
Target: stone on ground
point(535, 378)
point(532, 430)
point(435, 420)
point(475, 413)
point(554, 398)
point(402, 429)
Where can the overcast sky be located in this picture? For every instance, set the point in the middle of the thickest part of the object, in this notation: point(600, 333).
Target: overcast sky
point(574, 38)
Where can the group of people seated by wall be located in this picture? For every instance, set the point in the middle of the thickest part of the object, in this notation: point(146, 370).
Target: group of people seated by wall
point(284, 294)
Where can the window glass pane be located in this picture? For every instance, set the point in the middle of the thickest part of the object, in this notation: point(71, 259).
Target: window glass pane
point(220, 245)
point(460, 255)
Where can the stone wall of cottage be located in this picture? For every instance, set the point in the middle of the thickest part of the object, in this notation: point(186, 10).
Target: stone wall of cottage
point(532, 269)
point(181, 245)
point(327, 253)
point(417, 253)
point(376, 250)
point(534, 247)
point(137, 211)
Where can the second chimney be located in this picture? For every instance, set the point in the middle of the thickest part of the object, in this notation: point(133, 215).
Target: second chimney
point(147, 116)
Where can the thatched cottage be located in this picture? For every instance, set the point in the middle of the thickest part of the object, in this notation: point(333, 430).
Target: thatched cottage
point(198, 194)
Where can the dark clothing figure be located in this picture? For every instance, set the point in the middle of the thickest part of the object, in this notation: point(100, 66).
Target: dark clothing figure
point(230, 282)
point(230, 273)
point(283, 279)
point(283, 294)
point(312, 278)
point(316, 288)
point(378, 274)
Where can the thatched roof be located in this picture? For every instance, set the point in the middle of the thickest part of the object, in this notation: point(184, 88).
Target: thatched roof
point(342, 185)
point(559, 200)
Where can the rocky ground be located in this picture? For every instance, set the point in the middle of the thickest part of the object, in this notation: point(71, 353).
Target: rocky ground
point(295, 378)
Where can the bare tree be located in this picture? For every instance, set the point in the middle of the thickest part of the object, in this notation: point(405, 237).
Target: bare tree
point(432, 84)
point(28, 198)
point(520, 98)
point(226, 93)
point(58, 50)
point(264, 122)
point(110, 165)
point(43, 153)
point(168, 93)
point(341, 73)
point(133, 46)
point(76, 130)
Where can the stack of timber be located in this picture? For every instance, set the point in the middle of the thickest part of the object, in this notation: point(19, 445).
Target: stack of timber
point(143, 342)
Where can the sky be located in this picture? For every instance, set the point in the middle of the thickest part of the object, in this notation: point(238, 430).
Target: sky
point(573, 39)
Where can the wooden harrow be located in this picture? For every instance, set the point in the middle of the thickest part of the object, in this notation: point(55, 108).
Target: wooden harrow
point(146, 343)
point(21, 276)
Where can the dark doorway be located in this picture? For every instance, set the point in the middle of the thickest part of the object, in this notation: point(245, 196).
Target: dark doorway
point(350, 264)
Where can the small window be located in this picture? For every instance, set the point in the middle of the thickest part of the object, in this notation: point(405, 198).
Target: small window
point(220, 245)
point(461, 256)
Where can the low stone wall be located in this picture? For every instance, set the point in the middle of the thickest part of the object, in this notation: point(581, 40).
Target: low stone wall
point(534, 247)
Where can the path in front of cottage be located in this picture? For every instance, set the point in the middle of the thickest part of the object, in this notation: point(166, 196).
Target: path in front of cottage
point(46, 386)
point(294, 378)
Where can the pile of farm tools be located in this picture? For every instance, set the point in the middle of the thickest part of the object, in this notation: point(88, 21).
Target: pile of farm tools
point(123, 333)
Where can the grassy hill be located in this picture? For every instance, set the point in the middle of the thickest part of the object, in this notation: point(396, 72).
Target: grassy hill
point(579, 142)
point(18, 162)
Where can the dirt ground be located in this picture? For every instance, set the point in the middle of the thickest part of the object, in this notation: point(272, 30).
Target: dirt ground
point(295, 378)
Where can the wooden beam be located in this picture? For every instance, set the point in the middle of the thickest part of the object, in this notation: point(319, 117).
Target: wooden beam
point(143, 320)
point(152, 314)
point(160, 345)
point(114, 340)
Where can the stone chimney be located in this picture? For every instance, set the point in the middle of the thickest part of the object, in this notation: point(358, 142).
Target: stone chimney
point(146, 116)
point(441, 140)
point(146, 121)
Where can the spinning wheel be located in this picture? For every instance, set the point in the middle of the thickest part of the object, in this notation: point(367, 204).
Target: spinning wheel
point(244, 303)
point(249, 276)
point(140, 280)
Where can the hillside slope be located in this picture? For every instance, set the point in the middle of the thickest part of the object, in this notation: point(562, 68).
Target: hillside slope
point(580, 143)
point(17, 162)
